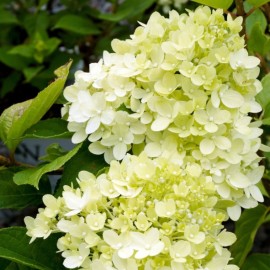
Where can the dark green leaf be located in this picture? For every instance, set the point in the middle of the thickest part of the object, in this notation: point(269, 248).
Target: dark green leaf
point(246, 229)
point(31, 72)
point(225, 4)
point(256, 17)
point(264, 96)
point(14, 246)
point(4, 263)
point(258, 3)
point(51, 45)
point(257, 262)
point(25, 50)
point(9, 265)
point(10, 83)
point(33, 175)
point(83, 160)
point(36, 23)
point(13, 196)
point(7, 17)
point(48, 129)
point(53, 152)
point(14, 61)
point(128, 8)
point(77, 24)
point(258, 41)
point(15, 120)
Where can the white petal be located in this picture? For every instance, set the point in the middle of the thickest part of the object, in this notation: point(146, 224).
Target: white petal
point(255, 107)
point(239, 180)
point(160, 123)
point(234, 212)
point(247, 203)
point(92, 125)
point(232, 99)
point(215, 99)
point(119, 151)
point(211, 127)
point(153, 149)
point(78, 137)
point(97, 148)
point(72, 262)
point(223, 190)
point(207, 146)
point(226, 238)
point(107, 117)
point(222, 142)
point(256, 193)
point(156, 249)
point(125, 253)
point(251, 62)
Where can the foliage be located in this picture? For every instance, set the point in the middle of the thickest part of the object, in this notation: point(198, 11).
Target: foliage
point(39, 36)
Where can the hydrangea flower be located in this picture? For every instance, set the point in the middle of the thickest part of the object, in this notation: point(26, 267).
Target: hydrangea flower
point(180, 87)
point(169, 110)
point(143, 213)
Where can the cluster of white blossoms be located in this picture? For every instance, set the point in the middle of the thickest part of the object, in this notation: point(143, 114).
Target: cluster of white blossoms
point(173, 102)
point(142, 214)
point(182, 88)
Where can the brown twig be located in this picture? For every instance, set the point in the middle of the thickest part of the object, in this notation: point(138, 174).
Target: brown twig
point(250, 12)
point(8, 162)
point(263, 64)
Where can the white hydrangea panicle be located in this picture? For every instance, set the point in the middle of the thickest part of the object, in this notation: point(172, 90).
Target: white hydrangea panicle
point(142, 213)
point(183, 83)
point(170, 111)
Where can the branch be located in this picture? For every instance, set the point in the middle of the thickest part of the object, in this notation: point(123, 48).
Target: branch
point(264, 64)
point(240, 11)
point(8, 162)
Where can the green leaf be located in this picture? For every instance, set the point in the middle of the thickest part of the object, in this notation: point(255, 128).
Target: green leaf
point(33, 175)
point(264, 96)
point(83, 160)
point(10, 116)
point(13, 196)
point(48, 129)
point(258, 41)
point(16, 119)
point(14, 61)
point(16, 266)
point(51, 45)
point(31, 72)
point(129, 8)
point(42, 254)
point(53, 152)
point(246, 229)
point(7, 17)
point(257, 17)
point(36, 23)
point(9, 265)
point(10, 82)
point(257, 3)
point(25, 50)
point(257, 262)
point(225, 4)
point(77, 24)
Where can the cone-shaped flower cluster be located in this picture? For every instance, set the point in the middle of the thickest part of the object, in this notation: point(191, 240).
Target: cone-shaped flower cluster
point(142, 214)
point(177, 95)
point(181, 88)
